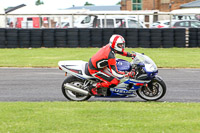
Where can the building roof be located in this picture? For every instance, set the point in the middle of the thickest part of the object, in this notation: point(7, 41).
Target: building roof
point(10, 9)
point(42, 9)
point(193, 4)
point(98, 8)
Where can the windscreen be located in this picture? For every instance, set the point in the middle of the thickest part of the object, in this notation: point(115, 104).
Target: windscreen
point(145, 60)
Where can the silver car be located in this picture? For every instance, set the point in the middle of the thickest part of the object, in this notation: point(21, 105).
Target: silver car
point(176, 24)
point(186, 24)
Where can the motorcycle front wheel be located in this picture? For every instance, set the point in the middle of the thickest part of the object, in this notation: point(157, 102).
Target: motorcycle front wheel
point(70, 95)
point(156, 90)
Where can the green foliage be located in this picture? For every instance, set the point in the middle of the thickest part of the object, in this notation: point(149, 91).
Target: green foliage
point(49, 57)
point(88, 4)
point(38, 2)
point(98, 117)
point(118, 3)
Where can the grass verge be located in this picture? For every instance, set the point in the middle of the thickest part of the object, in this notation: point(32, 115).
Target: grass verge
point(106, 117)
point(49, 57)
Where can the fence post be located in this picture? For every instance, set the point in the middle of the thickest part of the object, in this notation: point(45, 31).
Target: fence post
point(59, 21)
point(170, 21)
point(105, 21)
point(138, 21)
point(40, 22)
point(49, 22)
point(5, 20)
point(72, 20)
point(187, 37)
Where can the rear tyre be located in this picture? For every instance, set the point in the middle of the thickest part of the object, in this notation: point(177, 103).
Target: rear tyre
point(70, 95)
point(156, 90)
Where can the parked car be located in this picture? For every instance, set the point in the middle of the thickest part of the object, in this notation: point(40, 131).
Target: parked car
point(62, 25)
point(176, 24)
point(112, 21)
point(161, 24)
point(186, 24)
point(65, 25)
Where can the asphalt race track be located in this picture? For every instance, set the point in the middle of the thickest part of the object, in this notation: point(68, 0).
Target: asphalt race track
point(44, 84)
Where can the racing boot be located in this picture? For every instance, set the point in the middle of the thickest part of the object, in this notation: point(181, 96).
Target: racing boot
point(93, 89)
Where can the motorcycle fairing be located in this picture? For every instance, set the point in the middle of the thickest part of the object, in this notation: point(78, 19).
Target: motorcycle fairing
point(75, 67)
point(121, 89)
point(72, 70)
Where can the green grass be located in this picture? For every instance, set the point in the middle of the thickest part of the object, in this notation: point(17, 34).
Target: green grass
point(49, 57)
point(99, 117)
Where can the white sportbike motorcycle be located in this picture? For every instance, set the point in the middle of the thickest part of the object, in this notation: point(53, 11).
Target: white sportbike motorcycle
point(146, 84)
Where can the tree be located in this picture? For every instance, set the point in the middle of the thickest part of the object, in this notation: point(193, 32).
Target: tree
point(118, 3)
point(88, 4)
point(38, 2)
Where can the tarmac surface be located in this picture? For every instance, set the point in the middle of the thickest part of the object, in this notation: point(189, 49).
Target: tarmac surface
point(44, 84)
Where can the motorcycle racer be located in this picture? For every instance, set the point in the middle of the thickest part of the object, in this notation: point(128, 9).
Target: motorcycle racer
point(104, 58)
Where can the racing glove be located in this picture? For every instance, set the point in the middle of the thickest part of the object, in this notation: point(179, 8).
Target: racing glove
point(131, 55)
point(130, 74)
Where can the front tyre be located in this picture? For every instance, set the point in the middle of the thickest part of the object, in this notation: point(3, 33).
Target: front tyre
point(70, 95)
point(156, 90)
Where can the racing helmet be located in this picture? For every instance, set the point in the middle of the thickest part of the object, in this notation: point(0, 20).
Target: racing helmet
point(117, 43)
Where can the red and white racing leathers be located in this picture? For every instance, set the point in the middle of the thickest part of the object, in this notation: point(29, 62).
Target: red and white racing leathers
point(105, 57)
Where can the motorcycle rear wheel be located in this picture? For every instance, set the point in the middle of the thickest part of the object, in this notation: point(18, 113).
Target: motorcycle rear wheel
point(70, 95)
point(155, 91)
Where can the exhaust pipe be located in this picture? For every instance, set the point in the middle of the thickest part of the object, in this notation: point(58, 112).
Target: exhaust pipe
point(75, 89)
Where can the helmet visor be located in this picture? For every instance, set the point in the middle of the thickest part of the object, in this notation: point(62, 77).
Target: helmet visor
point(121, 45)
